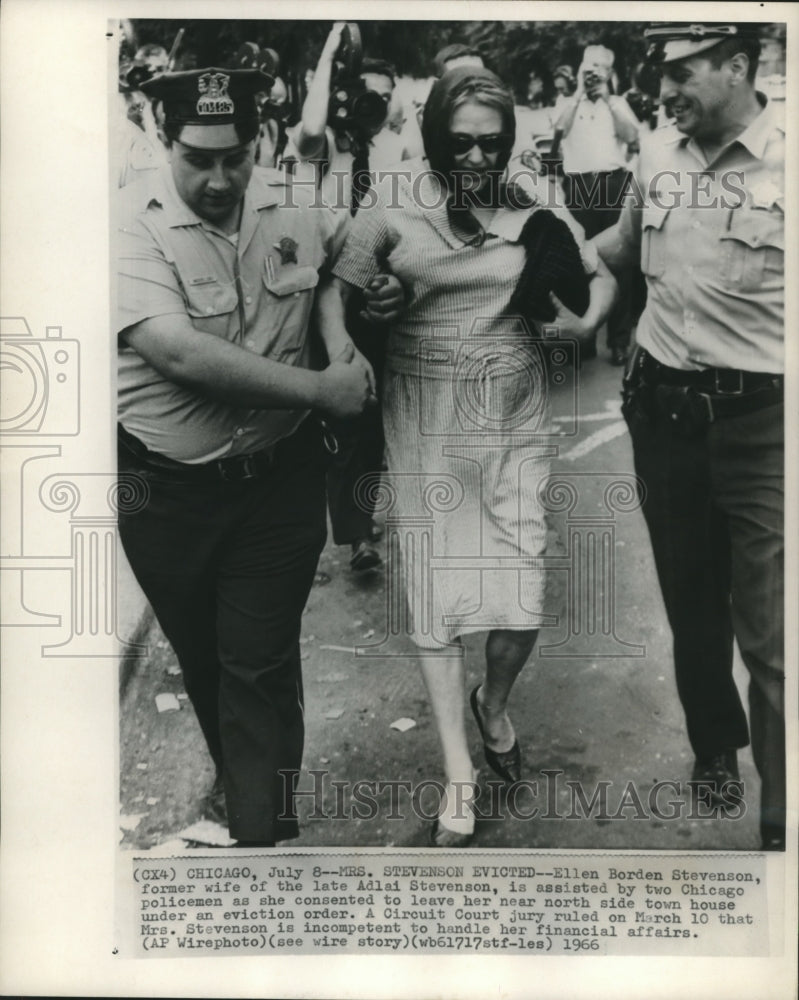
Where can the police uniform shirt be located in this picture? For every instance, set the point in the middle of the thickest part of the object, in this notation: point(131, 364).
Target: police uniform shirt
point(255, 289)
point(712, 238)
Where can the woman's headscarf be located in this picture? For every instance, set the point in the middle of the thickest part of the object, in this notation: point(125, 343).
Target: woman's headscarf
point(460, 86)
point(552, 258)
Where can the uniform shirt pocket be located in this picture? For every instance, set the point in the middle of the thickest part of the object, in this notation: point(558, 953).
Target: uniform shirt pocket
point(291, 291)
point(292, 280)
point(753, 250)
point(210, 304)
point(653, 249)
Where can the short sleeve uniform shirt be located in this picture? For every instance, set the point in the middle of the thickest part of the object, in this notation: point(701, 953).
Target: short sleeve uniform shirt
point(712, 243)
point(255, 290)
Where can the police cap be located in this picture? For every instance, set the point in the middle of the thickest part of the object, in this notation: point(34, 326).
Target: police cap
point(673, 41)
point(209, 103)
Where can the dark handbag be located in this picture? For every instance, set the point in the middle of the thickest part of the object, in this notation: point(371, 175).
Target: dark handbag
point(552, 264)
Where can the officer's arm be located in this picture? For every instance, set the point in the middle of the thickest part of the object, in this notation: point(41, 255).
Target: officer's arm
point(331, 301)
point(625, 123)
point(615, 250)
point(215, 368)
point(620, 245)
point(331, 304)
point(603, 292)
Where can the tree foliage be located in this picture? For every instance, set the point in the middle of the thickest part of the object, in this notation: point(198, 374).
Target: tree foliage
point(510, 48)
point(409, 45)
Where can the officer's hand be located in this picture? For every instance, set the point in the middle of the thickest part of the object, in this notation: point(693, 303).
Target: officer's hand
point(385, 299)
point(568, 323)
point(352, 355)
point(345, 390)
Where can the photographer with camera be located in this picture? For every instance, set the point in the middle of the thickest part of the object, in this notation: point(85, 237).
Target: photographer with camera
point(274, 108)
point(134, 153)
point(342, 129)
point(598, 128)
point(342, 136)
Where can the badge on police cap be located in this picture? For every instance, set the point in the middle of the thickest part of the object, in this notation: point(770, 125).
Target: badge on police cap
point(214, 98)
point(215, 108)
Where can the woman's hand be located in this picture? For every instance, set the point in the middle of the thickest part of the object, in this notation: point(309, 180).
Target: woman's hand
point(569, 324)
point(385, 299)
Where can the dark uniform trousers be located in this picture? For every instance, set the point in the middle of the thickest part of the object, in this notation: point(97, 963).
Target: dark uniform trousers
point(714, 508)
point(360, 440)
point(227, 568)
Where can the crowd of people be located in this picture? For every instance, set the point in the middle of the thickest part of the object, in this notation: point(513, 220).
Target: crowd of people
point(279, 287)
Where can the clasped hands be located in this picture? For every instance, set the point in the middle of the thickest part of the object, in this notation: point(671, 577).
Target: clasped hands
point(349, 371)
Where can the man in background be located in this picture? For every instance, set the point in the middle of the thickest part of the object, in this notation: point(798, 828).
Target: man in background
point(597, 128)
point(343, 153)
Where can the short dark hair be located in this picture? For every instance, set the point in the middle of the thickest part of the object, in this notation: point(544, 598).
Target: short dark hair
point(379, 67)
point(454, 51)
point(745, 42)
point(245, 130)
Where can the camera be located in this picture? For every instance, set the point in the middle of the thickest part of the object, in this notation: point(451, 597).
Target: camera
point(352, 106)
point(643, 106)
point(40, 381)
point(132, 76)
point(498, 386)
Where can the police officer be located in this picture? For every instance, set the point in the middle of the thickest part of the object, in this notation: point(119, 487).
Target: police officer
point(218, 261)
point(703, 395)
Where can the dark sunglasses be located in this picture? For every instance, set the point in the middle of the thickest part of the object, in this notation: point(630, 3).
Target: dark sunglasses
point(460, 143)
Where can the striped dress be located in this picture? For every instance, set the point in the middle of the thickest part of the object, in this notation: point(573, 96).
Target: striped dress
point(465, 410)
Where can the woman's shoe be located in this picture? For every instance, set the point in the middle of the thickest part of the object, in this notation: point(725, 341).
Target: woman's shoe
point(506, 763)
point(442, 836)
point(453, 831)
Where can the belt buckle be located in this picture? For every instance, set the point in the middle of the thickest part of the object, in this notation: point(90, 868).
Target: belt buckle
point(721, 381)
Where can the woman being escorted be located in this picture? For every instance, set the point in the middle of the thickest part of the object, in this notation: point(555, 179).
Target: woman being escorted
point(465, 406)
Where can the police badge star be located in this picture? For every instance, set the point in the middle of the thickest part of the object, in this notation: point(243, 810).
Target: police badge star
point(287, 248)
point(765, 194)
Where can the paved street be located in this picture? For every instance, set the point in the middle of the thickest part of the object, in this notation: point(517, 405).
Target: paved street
point(595, 708)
